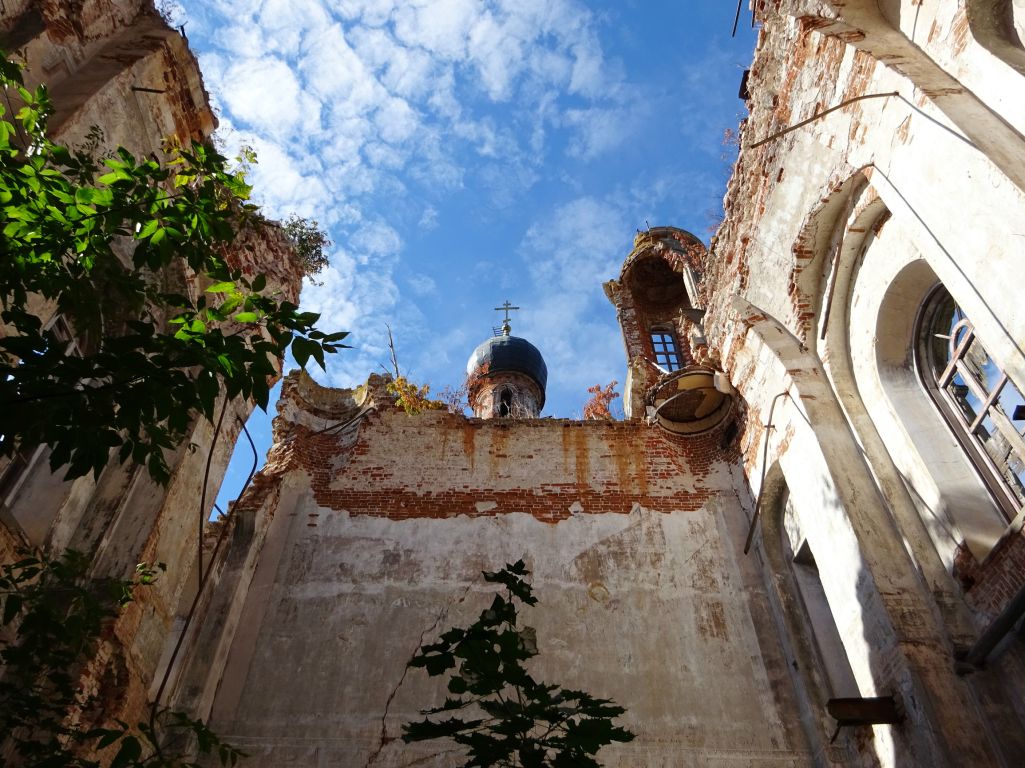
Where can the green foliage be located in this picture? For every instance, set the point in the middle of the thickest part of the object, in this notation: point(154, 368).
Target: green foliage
point(56, 615)
point(309, 242)
point(108, 244)
point(498, 711)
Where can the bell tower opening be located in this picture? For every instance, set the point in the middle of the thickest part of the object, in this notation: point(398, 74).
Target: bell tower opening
point(671, 378)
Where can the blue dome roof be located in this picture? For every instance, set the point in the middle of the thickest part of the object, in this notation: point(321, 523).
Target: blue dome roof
point(511, 354)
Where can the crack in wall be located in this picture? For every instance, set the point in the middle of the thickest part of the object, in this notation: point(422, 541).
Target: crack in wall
point(385, 739)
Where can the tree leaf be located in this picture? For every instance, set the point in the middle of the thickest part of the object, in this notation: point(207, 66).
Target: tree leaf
point(12, 605)
point(130, 752)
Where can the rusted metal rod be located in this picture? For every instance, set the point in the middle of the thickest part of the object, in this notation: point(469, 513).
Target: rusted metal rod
point(820, 115)
point(761, 485)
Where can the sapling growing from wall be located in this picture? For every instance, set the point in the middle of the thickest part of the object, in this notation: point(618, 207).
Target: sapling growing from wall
point(498, 712)
point(597, 408)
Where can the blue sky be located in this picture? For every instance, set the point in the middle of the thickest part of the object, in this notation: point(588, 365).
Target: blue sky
point(465, 152)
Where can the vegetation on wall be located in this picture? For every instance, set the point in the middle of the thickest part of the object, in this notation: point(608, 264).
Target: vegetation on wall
point(413, 398)
point(132, 257)
point(601, 398)
point(498, 712)
point(121, 319)
point(309, 242)
point(54, 618)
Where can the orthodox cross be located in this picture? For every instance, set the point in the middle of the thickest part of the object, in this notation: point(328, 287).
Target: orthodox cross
point(506, 328)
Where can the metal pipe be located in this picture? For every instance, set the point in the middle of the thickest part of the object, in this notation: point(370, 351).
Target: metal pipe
point(761, 484)
point(206, 478)
point(204, 578)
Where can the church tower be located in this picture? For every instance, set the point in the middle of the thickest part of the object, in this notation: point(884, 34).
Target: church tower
point(670, 377)
point(507, 376)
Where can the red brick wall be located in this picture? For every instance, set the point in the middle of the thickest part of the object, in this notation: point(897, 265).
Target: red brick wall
point(999, 577)
point(439, 465)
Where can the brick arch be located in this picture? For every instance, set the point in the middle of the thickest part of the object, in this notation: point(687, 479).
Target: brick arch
point(818, 245)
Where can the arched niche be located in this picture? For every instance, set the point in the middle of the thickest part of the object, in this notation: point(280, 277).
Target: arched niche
point(999, 27)
point(838, 231)
point(817, 250)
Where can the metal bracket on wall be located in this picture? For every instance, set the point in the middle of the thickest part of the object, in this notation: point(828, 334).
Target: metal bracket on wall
point(861, 710)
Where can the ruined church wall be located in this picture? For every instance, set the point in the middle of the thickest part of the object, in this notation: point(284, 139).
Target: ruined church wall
point(116, 65)
point(802, 287)
point(370, 539)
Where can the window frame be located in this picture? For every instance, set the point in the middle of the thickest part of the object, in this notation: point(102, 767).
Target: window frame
point(668, 357)
point(938, 383)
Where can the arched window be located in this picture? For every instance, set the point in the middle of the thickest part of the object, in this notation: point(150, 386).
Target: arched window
point(983, 407)
point(505, 403)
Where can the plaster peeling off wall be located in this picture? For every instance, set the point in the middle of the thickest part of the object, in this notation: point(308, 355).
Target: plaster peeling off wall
point(651, 604)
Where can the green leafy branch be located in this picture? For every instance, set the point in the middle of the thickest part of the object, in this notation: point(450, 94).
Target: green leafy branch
point(109, 246)
point(507, 717)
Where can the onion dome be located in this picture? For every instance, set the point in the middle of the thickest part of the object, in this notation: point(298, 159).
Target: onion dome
point(506, 376)
point(510, 354)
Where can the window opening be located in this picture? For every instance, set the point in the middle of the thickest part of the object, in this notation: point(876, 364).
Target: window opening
point(982, 405)
point(505, 404)
point(832, 655)
point(664, 345)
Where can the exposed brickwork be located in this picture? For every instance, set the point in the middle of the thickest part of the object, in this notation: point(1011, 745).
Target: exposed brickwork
point(999, 577)
point(438, 465)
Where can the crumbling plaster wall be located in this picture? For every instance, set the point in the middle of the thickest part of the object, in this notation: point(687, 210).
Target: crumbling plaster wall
point(364, 540)
point(947, 195)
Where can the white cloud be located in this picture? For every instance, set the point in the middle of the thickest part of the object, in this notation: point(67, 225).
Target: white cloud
point(429, 218)
point(368, 114)
point(598, 130)
point(264, 95)
point(377, 239)
point(578, 246)
point(438, 26)
point(422, 285)
point(395, 121)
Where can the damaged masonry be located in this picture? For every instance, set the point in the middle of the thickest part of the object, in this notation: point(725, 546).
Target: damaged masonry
point(802, 546)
